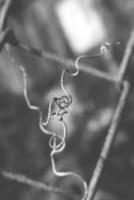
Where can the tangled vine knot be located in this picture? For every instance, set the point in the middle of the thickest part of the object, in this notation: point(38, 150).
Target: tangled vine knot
point(62, 103)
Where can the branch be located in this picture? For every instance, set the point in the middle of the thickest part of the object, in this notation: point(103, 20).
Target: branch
point(110, 138)
point(19, 178)
point(126, 56)
point(108, 143)
point(66, 62)
point(13, 41)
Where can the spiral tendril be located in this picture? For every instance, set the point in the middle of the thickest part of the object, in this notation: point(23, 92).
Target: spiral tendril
point(103, 49)
point(57, 143)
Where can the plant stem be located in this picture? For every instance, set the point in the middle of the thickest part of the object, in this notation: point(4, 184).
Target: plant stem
point(108, 143)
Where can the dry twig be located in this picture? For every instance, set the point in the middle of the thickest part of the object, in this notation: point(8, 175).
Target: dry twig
point(67, 62)
point(12, 40)
point(126, 56)
point(19, 178)
point(108, 143)
point(115, 121)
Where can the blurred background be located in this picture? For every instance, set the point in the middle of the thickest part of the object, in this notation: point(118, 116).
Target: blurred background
point(67, 28)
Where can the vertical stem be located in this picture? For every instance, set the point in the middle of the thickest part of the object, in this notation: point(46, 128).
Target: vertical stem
point(108, 143)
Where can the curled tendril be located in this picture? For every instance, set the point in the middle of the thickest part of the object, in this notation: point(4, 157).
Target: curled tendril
point(103, 49)
point(64, 102)
point(59, 148)
point(67, 173)
point(57, 143)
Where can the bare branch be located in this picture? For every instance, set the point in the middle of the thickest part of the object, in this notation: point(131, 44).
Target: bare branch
point(108, 143)
point(12, 40)
point(67, 62)
point(126, 56)
point(28, 181)
point(115, 121)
